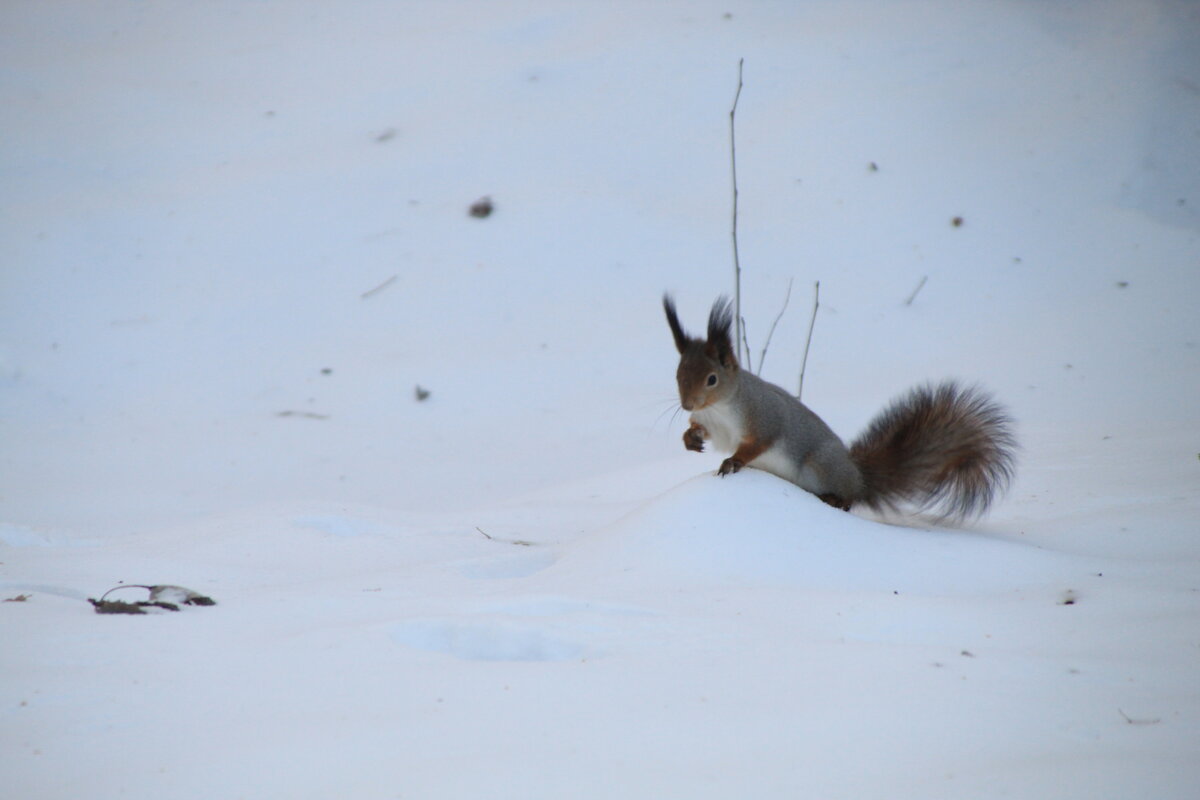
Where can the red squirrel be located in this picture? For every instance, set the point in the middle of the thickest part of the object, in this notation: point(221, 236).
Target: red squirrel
point(942, 448)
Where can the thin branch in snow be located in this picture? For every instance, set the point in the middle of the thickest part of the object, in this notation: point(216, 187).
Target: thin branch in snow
point(763, 355)
point(745, 344)
point(808, 342)
point(738, 337)
point(379, 288)
point(920, 286)
point(518, 542)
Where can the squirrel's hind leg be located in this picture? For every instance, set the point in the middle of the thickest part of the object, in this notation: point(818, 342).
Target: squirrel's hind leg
point(834, 500)
point(832, 477)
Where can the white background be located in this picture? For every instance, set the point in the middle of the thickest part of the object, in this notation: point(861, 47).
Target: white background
point(523, 586)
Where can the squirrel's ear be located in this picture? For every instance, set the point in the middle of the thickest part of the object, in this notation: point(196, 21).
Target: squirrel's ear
point(681, 338)
point(720, 345)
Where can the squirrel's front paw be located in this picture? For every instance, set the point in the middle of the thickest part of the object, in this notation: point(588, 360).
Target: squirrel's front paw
point(729, 465)
point(693, 438)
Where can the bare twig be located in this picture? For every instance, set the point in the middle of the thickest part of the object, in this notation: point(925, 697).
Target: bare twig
point(745, 343)
point(125, 586)
point(737, 267)
point(379, 288)
point(812, 322)
point(303, 414)
point(920, 286)
point(763, 355)
point(1134, 721)
point(518, 542)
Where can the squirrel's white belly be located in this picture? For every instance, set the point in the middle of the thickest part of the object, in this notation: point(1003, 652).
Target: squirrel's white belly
point(777, 462)
point(725, 432)
point(723, 425)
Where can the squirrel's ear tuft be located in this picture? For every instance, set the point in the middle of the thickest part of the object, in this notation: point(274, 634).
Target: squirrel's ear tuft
point(681, 338)
point(720, 320)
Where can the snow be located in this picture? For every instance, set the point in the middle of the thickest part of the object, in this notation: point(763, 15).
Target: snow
point(523, 586)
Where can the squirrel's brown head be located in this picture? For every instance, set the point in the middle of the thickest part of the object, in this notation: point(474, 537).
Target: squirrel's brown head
point(707, 368)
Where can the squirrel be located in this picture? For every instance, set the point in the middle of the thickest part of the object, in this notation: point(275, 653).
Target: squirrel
point(944, 448)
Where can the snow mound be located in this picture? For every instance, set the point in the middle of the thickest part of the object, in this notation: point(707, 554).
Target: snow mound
point(753, 528)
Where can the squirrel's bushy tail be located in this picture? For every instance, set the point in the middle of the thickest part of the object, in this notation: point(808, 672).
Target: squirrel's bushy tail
point(941, 448)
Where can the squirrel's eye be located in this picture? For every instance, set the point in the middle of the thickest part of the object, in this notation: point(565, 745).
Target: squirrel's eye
point(712, 379)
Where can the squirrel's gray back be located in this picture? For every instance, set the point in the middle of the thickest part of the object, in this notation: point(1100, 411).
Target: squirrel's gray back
point(798, 427)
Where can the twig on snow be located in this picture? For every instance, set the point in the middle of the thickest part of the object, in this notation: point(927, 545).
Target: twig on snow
point(737, 267)
point(303, 414)
point(1133, 721)
point(379, 288)
point(763, 355)
point(518, 542)
point(745, 343)
point(920, 286)
point(808, 342)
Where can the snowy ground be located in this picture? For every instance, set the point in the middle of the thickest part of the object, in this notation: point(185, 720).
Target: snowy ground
point(234, 239)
